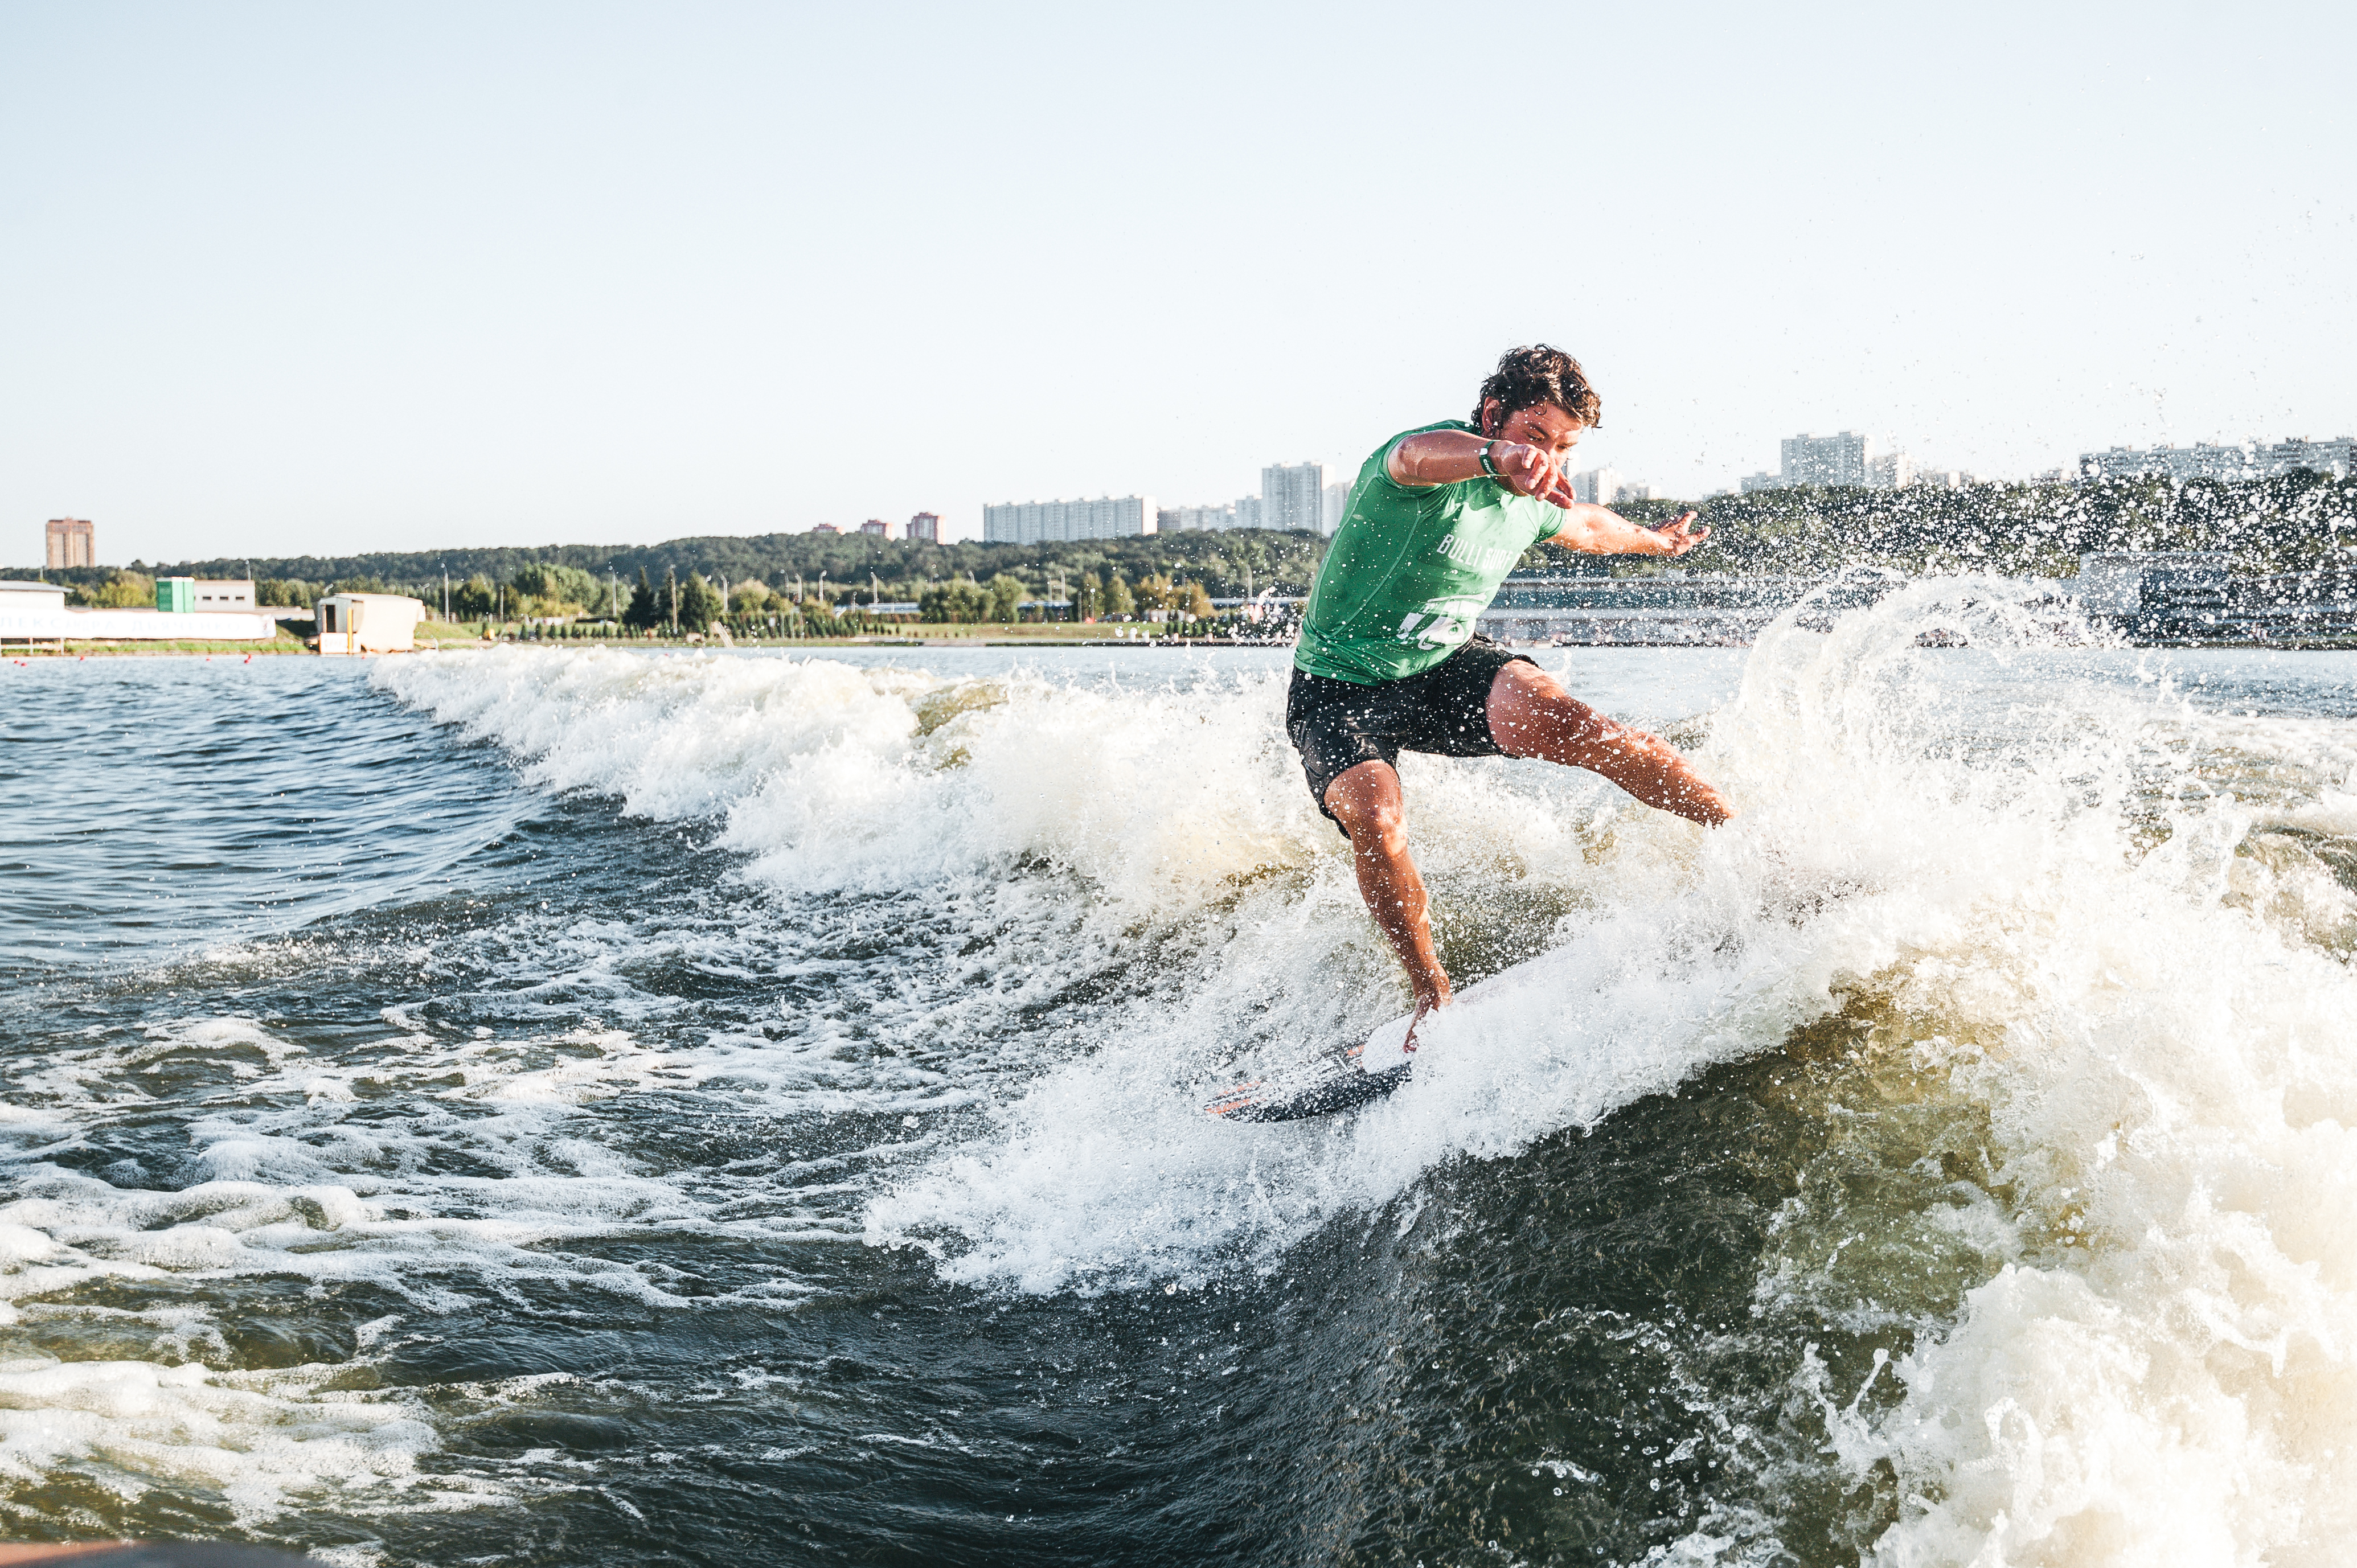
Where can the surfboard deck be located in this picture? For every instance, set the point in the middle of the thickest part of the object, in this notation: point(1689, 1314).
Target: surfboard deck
point(1341, 1078)
point(1297, 1097)
point(1346, 1077)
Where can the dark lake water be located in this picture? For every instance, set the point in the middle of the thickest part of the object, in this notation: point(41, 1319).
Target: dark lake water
point(542, 1107)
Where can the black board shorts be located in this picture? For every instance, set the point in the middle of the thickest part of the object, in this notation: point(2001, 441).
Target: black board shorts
point(1338, 724)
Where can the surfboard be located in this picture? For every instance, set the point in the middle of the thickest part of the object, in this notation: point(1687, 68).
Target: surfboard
point(1346, 1077)
point(1340, 1078)
point(1339, 1085)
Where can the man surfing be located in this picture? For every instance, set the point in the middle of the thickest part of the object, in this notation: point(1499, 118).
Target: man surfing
point(1388, 661)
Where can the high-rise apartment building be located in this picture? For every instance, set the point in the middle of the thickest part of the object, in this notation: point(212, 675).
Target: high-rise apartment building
point(1891, 471)
point(1249, 512)
point(2248, 460)
point(926, 526)
point(1840, 459)
point(1849, 458)
point(1598, 486)
point(69, 541)
point(1293, 496)
point(2337, 456)
point(1338, 501)
point(877, 526)
point(825, 528)
point(1032, 522)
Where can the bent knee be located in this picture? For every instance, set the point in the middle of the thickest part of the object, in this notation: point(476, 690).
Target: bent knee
point(1383, 824)
point(1357, 813)
point(1370, 810)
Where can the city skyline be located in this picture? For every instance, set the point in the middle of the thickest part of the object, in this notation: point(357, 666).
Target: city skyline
point(419, 277)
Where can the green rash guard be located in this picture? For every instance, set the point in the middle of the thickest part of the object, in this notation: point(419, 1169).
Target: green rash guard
point(1410, 568)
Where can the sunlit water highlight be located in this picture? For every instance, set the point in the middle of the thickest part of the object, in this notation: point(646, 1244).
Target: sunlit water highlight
point(543, 1107)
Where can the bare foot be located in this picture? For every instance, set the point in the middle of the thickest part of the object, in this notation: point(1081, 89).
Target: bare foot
point(1425, 1002)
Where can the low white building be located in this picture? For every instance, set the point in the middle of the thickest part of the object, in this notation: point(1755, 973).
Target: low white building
point(178, 596)
point(224, 593)
point(37, 612)
point(31, 599)
point(369, 623)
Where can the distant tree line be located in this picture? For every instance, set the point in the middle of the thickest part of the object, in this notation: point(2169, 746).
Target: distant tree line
point(2291, 522)
point(113, 589)
point(1226, 564)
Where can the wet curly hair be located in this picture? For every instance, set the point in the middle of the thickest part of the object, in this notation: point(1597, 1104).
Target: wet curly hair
point(1529, 376)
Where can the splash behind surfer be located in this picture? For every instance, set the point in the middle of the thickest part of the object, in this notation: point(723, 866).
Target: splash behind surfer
point(1388, 659)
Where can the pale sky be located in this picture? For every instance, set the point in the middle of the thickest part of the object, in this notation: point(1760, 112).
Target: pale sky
point(290, 278)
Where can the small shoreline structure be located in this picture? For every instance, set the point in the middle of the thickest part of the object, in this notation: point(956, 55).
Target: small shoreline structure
point(34, 614)
point(202, 616)
point(367, 623)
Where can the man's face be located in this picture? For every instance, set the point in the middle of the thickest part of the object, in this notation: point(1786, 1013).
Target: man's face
point(1543, 425)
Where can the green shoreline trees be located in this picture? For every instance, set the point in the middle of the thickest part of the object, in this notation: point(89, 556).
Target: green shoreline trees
point(862, 566)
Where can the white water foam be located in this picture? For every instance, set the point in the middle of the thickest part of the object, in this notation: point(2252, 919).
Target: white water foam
point(263, 1442)
point(297, 1188)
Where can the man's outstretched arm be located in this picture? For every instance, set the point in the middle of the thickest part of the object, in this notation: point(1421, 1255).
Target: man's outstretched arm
point(1600, 531)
